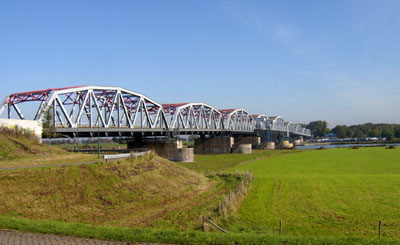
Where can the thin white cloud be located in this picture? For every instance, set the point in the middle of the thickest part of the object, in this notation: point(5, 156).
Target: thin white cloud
point(262, 22)
point(361, 98)
point(285, 33)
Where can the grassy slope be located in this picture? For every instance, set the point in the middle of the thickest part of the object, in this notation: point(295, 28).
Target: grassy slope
point(310, 191)
point(333, 192)
point(18, 152)
point(149, 191)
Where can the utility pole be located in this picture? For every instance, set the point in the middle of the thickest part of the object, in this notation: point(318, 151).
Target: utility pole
point(98, 142)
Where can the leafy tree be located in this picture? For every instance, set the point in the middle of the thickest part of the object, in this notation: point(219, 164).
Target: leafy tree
point(373, 132)
point(340, 131)
point(49, 130)
point(318, 128)
point(349, 132)
point(397, 132)
point(48, 125)
point(357, 133)
point(387, 133)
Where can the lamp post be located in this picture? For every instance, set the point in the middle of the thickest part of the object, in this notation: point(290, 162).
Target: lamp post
point(77, 139)
point(98, 142)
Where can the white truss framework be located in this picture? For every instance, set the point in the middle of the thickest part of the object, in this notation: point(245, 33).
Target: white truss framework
point(277, 124)
point(91, 108)
point(98, 106)
point(262, 122)
point(193, 116)
point(238, 120)
point(291, 127)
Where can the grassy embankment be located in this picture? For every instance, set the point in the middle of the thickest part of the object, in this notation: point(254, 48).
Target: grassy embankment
point(254, 223)
point(16, 151)
point(322, 196)
point(337, 192)
point(145, 192)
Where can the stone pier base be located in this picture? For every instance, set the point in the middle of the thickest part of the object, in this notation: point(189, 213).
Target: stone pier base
point(213, 145)
point(172, 150)
point(254, 141)
point(269, 146)
point(242, 149)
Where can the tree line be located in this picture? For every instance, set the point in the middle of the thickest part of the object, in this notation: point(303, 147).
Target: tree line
point(384, 130)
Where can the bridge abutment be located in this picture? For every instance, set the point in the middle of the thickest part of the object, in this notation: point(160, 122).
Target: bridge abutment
point(242, 149)
point(268, 146)
point(254, 141)
point(173, 150)
point(213, 145)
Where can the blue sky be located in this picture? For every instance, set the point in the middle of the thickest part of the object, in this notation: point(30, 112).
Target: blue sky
point(304, 60)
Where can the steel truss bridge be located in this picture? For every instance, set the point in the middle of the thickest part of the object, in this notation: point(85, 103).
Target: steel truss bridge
point(113, 111)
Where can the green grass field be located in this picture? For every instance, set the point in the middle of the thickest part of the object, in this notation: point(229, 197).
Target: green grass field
point(334, 196)
point(225, 162)
point(337, 192)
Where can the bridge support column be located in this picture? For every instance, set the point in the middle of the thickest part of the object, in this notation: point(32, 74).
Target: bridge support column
point(298, 141)
point(253, 140)
point(213, 145)
point(242, 149)
point(268, 146)
point(172, 150)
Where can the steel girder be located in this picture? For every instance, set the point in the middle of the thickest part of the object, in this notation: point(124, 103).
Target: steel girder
point(192, 116)
point(238, 120)
point(92, 106)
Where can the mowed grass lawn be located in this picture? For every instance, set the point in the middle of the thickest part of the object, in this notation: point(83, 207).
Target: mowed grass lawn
point(336, 192)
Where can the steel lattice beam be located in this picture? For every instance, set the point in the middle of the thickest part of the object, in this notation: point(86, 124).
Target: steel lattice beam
point(193, 116)
point(238, 120)
point(115, 109)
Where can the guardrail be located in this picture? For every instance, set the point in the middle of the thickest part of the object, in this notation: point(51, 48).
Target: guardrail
point(125, 155)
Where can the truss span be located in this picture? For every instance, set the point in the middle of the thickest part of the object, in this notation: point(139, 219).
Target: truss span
point(262, 122)
point(238, 120)
point(118, 111)
point(277, 123)
point(91, 106)
point(193, 116)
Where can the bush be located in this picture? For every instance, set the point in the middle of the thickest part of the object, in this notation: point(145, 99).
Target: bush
point(18, 132)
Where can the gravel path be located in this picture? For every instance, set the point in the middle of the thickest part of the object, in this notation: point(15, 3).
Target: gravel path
point(9, 237)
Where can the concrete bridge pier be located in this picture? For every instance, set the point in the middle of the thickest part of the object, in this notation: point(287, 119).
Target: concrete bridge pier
point(213, 145)
point(173, 150)
point(298, 141)
point(254, 141)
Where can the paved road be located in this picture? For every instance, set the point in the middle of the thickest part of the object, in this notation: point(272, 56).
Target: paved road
point(8, 237)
